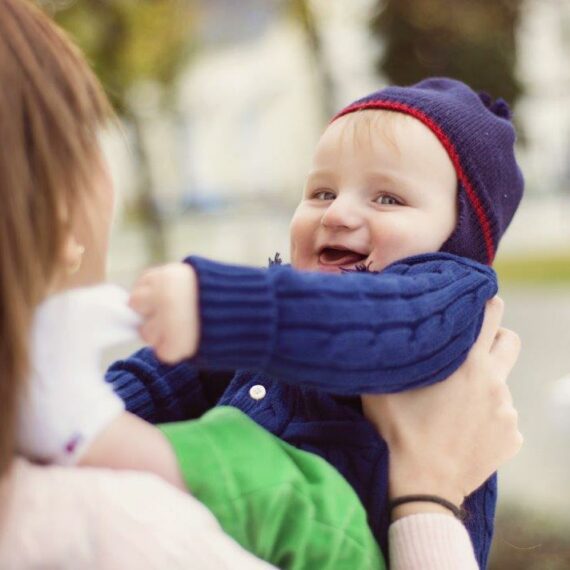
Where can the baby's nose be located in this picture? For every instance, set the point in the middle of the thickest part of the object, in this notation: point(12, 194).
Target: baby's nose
point(342, 214)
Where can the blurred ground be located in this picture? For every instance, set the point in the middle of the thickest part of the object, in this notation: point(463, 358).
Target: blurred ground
point(539, 475)
point(533, 526)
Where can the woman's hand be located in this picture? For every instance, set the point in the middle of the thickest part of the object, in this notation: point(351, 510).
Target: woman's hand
point(167, 299)
point(448, 438)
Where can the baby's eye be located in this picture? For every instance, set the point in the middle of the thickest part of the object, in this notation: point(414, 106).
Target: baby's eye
point(387, 200)
point(324, 195)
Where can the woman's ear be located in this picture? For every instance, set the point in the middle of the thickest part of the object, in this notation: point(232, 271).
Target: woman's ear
point(70, 261)
point(72, 255)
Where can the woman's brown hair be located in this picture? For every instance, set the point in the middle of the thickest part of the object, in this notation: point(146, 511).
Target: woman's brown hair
point(51, 107)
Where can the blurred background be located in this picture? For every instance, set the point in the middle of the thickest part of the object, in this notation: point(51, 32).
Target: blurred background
point(221, 103)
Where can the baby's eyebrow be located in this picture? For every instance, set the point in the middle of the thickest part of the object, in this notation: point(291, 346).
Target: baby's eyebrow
point(395, 182)
point(386, 178)
point(320, 172)
point(320, 178)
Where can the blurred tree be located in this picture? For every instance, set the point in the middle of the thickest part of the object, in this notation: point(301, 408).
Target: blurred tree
point(129, 42)
point(302, 12)
point(471, 40)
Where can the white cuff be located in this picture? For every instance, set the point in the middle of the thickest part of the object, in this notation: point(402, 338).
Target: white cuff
point(67, 401)
point(430, 541)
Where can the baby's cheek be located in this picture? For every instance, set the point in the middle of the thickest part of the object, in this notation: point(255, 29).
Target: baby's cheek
point(394, 241)
point(298, 254)
point(302, 239)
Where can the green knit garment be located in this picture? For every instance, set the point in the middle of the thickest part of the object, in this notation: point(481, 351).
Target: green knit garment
point(286, 506)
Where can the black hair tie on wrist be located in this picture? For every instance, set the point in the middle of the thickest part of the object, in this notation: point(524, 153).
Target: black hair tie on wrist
point(458, 512)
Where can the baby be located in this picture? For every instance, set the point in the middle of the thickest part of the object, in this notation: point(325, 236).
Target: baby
point(402, 172)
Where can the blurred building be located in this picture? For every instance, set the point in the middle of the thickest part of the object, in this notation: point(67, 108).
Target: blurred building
point(544, 111)
point(253, 108)
point(251, 114)
point(250, 109)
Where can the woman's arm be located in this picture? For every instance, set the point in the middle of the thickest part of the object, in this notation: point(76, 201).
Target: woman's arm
point(446, 440)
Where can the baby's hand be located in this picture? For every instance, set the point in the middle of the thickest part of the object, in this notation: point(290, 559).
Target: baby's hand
point(167, 299)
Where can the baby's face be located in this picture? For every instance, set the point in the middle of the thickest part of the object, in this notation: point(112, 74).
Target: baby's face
point(381, 188)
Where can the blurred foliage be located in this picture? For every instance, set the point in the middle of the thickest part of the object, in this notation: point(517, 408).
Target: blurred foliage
point(470, 40)
point(547, 268)
point(302, 13)
point(130, 42)
point(529, 540)
point(127, 41)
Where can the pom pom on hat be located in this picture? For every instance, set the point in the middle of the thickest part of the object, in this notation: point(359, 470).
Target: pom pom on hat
point(500, 107)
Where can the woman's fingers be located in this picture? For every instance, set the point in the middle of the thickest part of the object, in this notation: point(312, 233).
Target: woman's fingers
point(505, 351)
point(503, 356)
point(491, 322)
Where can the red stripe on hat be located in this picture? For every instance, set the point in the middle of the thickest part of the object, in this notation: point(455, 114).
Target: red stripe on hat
point(453, 154)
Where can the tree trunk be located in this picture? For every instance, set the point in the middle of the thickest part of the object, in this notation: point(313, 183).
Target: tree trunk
point(304, 15)
point(152, 224)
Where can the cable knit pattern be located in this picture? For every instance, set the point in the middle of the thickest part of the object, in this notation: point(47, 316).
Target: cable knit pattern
point(409, 326)
point(160, 393)
point(315, 341)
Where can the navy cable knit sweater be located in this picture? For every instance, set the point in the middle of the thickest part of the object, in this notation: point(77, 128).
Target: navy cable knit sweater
point(294, 349)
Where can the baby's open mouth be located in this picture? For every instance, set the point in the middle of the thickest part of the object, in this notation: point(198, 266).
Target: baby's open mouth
point(340, 257)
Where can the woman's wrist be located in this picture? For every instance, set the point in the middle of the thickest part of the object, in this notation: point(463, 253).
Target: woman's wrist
point(420, 485)
point(418, 478)
point(414, 508)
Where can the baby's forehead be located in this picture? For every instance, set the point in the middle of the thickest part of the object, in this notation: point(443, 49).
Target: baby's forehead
point(378, 140)
point(377, 131)
point(364, 127)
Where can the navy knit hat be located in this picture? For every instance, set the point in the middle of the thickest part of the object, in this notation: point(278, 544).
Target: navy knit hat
point(479, 138)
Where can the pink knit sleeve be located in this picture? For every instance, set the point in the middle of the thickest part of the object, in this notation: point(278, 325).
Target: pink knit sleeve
point(430, 541)
point(95, 519)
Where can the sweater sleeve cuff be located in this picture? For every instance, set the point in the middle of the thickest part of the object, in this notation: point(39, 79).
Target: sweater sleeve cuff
point(238, 315)
point(430, 541)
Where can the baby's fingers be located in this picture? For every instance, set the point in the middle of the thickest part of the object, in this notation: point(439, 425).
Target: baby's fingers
point(150, 332)
point(142, 300)
point(168, 351)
